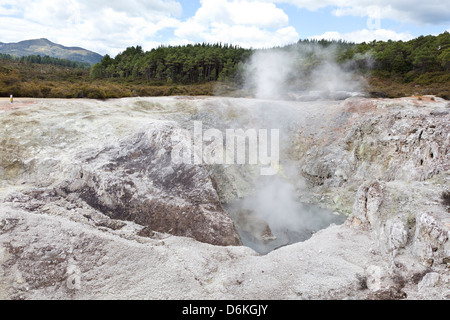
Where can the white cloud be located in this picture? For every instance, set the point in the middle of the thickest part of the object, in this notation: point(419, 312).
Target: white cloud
point(365, 35)
point(108, 26)
point(248, 23)
point(99, 25)
point(411, 11)
point(241, 12)
point(247, 36)
point(190, 29)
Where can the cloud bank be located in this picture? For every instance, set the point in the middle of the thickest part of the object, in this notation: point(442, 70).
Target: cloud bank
point(245, 23)
point(414, 11)
point(111, 26)
point(99, 25)
point(365, 35)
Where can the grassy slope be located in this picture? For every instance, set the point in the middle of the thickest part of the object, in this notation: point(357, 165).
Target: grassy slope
point(391, 86)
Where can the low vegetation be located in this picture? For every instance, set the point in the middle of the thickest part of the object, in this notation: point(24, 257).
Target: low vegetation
point(392, 69)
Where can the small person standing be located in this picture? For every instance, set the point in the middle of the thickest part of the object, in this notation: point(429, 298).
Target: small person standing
point(11, 98)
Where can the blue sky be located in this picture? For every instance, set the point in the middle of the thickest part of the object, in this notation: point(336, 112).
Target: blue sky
point(109, 27)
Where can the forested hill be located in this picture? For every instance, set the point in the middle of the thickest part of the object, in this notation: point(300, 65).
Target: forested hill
point(46, 60)
point(424, 61)
point(181, 64)
point(45, 47)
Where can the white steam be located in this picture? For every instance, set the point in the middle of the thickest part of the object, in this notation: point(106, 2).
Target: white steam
point(302, 71)
point(330, 77)
point(290, 221)
point(268, 72)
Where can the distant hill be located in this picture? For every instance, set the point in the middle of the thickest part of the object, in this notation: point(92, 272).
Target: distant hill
point(45, 47)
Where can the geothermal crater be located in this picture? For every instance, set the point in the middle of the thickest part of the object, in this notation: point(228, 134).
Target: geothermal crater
point(92, 205)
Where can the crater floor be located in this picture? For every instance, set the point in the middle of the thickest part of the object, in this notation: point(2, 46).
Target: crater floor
point(91, 207)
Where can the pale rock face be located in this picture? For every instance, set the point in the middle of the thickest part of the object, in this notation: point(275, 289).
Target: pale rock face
point(431, 239)
point(429, 280)
point(398, 235)
point(139, 182)
point(368, 201)
point(376, 277)
point(91, 207)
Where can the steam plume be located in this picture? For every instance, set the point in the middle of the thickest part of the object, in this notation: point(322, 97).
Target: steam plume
point(303, 72)
point(300, 72)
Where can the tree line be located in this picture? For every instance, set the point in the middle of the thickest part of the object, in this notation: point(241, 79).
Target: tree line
point(191, 64)
point(188, 64)
point(423, 54)
point(392, 68)
point(46, 60)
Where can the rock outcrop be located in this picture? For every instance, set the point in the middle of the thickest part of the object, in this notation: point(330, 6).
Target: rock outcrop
point(254, 226)
point(120, 167)
point(431, 238)
point(139, 182)
point(385, 140)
